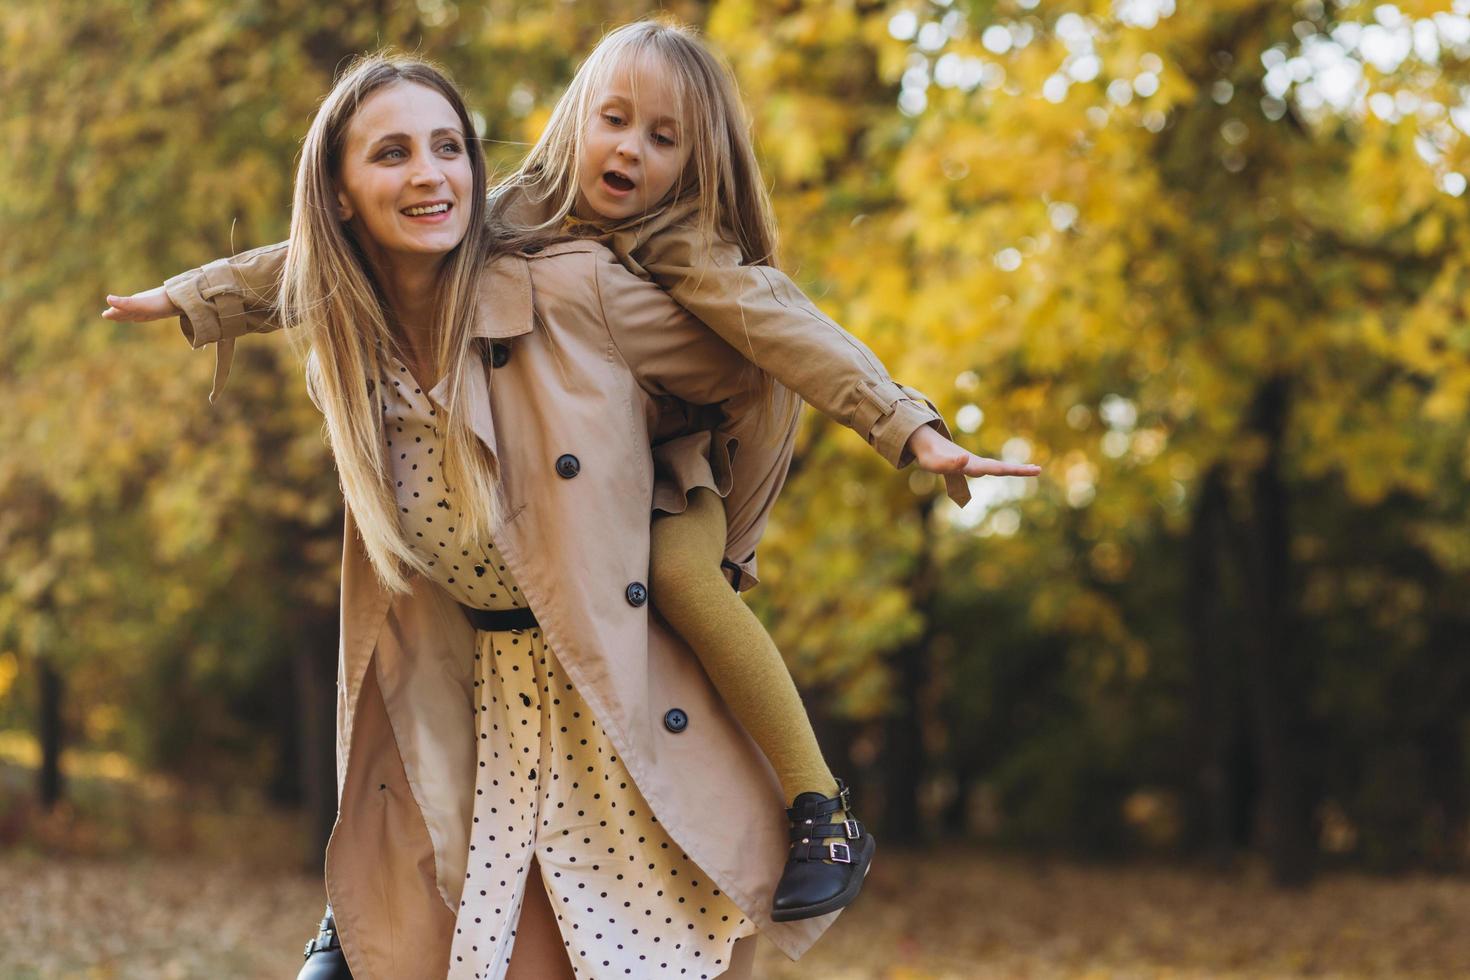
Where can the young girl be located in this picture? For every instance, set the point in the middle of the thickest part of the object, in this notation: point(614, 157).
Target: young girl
point(648, 152)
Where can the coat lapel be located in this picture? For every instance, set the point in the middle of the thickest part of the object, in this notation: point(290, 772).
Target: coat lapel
point(503, 310)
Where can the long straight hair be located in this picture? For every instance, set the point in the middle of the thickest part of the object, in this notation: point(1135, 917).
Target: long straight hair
point(722, 175)
point(341, 326)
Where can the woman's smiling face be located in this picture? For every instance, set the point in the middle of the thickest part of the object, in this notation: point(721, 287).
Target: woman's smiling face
point(404, 179)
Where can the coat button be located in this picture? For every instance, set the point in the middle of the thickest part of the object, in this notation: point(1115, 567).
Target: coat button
point(637, 593)
point(499, 354)
point(675, 720)
point(567, 466)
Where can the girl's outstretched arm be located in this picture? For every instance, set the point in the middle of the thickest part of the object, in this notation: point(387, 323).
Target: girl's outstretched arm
point(938, 454)
point(760, 312)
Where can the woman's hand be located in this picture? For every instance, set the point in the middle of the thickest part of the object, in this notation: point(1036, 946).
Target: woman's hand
point(936, 454)
point(152, 304)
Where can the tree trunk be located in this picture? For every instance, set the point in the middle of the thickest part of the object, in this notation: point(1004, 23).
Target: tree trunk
point(1272, 674)
point(314, 672)
point(903, 748)
point(49, 785)
point(1212, 689)
point(955, 820)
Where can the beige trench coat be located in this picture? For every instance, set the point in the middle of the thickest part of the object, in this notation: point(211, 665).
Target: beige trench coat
point(594, 351)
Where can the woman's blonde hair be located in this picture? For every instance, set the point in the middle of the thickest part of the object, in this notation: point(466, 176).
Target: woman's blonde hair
point(341, 321)
point(722, 176)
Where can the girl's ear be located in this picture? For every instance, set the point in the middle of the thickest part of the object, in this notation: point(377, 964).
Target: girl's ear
point(344, 206)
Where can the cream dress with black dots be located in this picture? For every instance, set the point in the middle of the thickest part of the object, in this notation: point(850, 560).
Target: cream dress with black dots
point(548, 783)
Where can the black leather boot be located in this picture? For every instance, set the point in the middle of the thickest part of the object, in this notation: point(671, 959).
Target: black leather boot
point(324, 959)
point(822, 876)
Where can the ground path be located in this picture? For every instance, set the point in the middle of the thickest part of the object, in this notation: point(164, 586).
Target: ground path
point(967, 916)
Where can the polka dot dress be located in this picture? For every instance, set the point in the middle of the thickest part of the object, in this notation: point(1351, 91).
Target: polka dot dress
point(476, 578)
point(549, 784)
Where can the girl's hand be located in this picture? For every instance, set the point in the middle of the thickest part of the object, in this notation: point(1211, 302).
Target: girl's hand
point(936, 454)
point(153, 304)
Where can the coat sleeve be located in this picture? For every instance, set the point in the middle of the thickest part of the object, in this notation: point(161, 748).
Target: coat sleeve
point(767, 318)
point(671, 353)
point(228, 298)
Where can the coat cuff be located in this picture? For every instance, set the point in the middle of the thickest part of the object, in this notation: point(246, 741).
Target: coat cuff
point(887, 414)
point(212, 313)
point(890, 413)
point(211, 301)
point(197, 320)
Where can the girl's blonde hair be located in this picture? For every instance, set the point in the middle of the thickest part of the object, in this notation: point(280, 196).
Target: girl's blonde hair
point(721, 177)
point(341, 321)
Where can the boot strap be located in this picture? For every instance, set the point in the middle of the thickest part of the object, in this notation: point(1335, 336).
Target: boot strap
point(831, 804)
point(847, 829)
point(837, 851)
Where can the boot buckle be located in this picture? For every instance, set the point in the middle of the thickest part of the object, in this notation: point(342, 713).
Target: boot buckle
point(325, 940)
point(852, 829)
point(846, 852)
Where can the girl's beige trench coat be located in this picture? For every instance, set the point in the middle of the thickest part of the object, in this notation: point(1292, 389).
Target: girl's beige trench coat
point(595, 356)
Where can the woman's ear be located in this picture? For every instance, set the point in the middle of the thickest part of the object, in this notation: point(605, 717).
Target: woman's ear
point(344, 206)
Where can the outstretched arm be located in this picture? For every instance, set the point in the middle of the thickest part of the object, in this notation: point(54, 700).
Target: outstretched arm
point(215, 303)
point(762, 314)
point(151, 304)
point(937, 453)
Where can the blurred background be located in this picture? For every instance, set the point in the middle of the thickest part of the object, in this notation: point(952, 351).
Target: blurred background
point(1193, 703)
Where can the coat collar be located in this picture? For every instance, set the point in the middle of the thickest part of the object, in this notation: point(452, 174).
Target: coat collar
point(504, 309)
point(504, 302)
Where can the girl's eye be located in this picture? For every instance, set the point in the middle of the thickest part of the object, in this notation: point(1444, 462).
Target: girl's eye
point(613, 118)
point(663, 140)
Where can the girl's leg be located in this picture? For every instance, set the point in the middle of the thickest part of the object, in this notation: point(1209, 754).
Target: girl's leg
point(538, 953)
point(737, 653)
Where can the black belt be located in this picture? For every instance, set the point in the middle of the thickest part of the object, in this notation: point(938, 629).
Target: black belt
point(493, 620)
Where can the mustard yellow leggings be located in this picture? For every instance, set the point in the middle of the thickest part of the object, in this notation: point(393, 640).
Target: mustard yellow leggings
point(738, 654)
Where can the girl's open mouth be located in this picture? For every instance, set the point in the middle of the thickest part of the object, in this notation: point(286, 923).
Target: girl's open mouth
point(617, 183)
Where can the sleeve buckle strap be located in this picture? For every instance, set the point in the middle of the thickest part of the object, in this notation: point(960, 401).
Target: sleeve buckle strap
point(224, 356)
point(876, 402)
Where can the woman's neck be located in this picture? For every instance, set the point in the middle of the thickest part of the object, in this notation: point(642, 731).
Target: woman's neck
point(409, 289)
point(409, 286)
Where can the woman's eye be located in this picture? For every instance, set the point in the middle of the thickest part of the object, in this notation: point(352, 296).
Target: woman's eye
point(388, 154)
point(450, 146)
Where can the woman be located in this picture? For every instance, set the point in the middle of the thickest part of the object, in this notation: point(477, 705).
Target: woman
point(602, 765)
point(387, 281)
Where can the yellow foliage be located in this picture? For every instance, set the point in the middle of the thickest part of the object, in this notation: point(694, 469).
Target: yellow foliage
point(9, 670)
